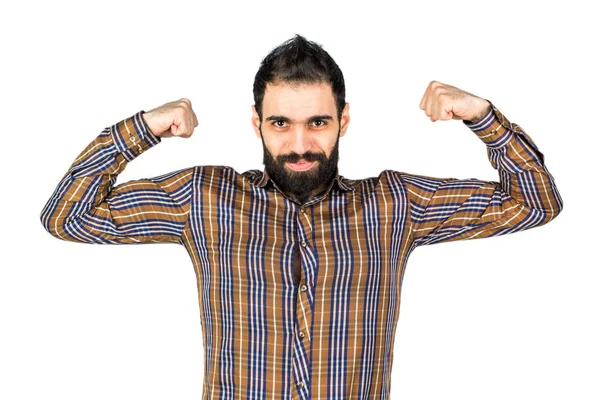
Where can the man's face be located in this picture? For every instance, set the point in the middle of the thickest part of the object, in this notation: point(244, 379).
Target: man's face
point(300, 124)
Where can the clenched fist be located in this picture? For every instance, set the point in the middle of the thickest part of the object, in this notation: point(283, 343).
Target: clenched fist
point(445, 102)
point(172, 119)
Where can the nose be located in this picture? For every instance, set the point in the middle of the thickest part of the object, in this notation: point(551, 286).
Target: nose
point(300, 141)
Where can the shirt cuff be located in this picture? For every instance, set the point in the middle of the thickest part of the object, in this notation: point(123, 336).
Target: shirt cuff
point(493, 128)
point(133, 134)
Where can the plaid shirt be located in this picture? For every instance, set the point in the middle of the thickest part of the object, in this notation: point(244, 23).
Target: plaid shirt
point(297, 301)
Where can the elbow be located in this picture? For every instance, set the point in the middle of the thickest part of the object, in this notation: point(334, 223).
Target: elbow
point(554, 204)
point(47, 224)
point(553, 211)
point(558, 206)
point(50, 224)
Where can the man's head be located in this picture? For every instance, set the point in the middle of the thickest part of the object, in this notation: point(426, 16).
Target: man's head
point(300, 113)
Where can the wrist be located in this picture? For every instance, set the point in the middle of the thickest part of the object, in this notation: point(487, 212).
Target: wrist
point(485, 108)
point(146, 118)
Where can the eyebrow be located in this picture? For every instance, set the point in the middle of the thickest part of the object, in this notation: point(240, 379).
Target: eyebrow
point(309, 120)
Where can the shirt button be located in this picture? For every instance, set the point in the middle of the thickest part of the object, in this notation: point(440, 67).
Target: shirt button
point(301, 334)
point(300, 384)
point(493, 131)
point(303, 288)
point(303, 243)
point(302, 210)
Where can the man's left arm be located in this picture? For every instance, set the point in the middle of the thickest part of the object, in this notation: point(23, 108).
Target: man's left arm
point(449, 209)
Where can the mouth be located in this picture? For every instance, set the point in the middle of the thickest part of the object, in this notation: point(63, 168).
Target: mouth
point(300, 166)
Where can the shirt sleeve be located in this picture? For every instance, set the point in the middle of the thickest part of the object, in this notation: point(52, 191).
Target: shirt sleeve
point(87, 207)
point(450, 209)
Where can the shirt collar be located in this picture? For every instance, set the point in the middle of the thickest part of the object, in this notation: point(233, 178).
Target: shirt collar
point(265, 179)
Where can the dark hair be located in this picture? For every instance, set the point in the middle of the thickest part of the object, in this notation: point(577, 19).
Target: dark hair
point(299, 61)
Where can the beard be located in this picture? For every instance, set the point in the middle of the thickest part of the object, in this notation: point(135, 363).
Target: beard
point(300, 184)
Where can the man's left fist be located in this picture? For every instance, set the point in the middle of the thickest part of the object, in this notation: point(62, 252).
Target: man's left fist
point(445, 102)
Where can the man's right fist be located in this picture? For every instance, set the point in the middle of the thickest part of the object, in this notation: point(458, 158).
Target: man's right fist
point(172, 119)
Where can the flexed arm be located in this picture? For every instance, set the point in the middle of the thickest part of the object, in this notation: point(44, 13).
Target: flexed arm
point(85, 207)
point(449, 209)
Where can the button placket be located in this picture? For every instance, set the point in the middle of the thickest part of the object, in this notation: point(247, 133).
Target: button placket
point(303, 302)
point(305, 219)
point(302, 343)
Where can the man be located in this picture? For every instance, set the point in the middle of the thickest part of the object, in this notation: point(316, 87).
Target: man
point(299, 269)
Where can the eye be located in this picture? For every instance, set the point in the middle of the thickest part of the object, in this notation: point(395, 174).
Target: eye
point(277, 123)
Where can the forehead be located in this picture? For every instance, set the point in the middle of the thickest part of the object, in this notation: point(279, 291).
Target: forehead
point(298, 101)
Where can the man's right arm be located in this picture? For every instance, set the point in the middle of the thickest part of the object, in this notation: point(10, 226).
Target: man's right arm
point(87, 207)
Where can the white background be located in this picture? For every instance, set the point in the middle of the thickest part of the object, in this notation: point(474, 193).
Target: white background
point(512, 317)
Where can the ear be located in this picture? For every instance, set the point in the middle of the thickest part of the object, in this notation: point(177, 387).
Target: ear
point(255, 122)
point(345, 120)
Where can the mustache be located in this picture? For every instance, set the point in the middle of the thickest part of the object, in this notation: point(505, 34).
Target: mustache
point(294, 158)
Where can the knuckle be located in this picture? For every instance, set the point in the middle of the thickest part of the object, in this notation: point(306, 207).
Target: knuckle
point(181, 108)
